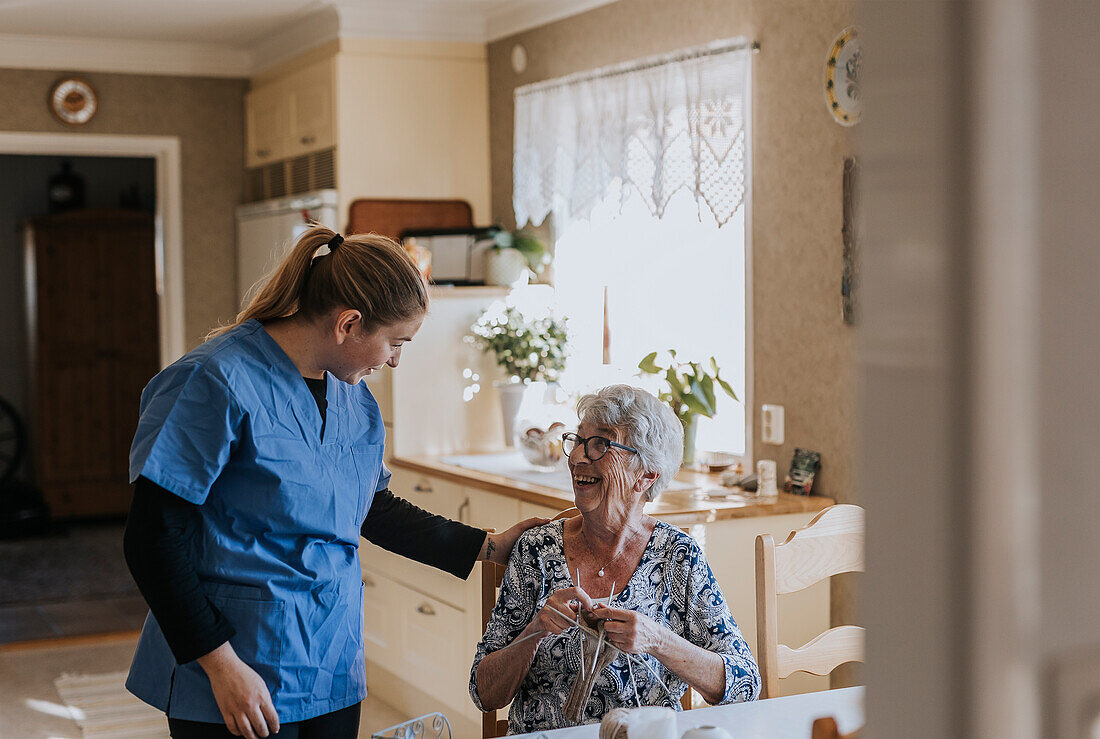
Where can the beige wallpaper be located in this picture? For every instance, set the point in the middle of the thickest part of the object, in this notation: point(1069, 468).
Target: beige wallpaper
point(803, 350)
point(207, 115)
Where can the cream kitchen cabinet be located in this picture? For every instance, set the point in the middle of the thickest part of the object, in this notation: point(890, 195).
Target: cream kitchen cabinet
point(267, 125)
point(291, 115)
point(421, 625)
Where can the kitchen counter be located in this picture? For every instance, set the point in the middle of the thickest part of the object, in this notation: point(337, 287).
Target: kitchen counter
point(680, 506)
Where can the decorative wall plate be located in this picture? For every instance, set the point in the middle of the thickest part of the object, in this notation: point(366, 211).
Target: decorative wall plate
point(73, 101)
point(843, 76)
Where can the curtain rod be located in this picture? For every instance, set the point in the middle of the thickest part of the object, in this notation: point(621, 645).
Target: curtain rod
point(712, 49)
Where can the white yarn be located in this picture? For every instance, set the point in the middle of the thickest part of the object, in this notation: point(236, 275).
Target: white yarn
point(648, 722)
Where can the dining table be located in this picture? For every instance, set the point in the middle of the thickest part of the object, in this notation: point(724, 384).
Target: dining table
point(785, 717)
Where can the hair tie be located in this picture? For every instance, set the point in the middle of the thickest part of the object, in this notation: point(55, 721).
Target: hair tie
point(334, 242)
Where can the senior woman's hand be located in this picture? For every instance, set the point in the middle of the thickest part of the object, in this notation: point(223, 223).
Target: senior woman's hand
point(636, 633)
point(551, 618)
point(632, 632)
point(499, 675)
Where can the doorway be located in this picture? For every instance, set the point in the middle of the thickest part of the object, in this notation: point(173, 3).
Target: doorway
point(80, 339)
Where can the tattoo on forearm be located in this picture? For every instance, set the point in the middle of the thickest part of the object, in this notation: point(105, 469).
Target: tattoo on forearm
point(490, 548)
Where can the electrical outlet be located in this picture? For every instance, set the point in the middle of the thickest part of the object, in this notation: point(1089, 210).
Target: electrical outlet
point(771, 423)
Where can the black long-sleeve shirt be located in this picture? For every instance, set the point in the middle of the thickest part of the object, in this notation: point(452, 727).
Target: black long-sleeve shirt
point(161, 525)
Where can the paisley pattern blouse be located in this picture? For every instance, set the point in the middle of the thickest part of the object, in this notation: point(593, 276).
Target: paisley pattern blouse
point(673, 585)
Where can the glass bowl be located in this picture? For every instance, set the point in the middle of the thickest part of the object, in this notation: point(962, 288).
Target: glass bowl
point(540, 443)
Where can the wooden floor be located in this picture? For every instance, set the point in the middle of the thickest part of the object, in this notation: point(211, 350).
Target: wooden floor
point(31, 622)
point(31, 707)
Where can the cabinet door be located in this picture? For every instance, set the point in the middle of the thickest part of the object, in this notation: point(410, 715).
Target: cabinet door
point(489, 511)
point(526, 510)
point(311, 109)
point(433, 656)
point(267, 121)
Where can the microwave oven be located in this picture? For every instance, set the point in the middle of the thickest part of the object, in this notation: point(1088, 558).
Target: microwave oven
point(458, 254)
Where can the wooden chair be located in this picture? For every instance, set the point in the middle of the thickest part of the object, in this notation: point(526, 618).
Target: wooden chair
point(830, 544)
point(492, 575)
point(826, 728)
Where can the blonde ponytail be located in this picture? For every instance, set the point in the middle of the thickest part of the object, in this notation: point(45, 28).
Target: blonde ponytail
point(367, 272)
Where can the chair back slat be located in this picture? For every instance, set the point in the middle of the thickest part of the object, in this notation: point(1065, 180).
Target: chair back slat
point(824, 653)
point(830, 544)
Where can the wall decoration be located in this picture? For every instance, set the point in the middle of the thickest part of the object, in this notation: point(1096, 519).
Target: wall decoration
point(73, 101)
point(849, 280)
point(842, 78)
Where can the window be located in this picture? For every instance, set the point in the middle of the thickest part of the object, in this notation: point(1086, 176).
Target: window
point(644, 167)
point(675, 282)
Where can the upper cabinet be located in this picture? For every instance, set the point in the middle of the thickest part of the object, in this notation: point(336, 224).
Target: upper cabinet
point(374, 118)
point(291, 115)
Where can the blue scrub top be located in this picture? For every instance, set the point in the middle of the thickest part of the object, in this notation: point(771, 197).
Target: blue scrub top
point(232, 427)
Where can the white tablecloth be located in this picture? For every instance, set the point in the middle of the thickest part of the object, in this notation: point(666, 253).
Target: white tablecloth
point(790, 717)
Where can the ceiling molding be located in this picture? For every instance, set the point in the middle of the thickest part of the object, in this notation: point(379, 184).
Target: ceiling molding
point(508, 19)
point(123, 55)
point(422, 20)
point(297, 38)
point(471, 21)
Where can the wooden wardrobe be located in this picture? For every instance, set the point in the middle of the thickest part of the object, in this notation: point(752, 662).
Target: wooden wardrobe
point(93, 344)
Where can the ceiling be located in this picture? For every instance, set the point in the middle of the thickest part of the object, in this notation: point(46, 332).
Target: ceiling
point(241, 37)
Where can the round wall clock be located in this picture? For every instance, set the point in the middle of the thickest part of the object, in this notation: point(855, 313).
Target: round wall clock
point(73, 101)
point(842, 78)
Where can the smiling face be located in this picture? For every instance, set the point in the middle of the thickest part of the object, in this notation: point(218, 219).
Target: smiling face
point(360, 352)
point(611, 482)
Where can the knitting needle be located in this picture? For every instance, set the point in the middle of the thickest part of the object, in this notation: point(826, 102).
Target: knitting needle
point(633, 681)
point(652, 672)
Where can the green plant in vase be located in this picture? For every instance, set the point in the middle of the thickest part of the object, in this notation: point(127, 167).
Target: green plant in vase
point(690, 390)
point(528, 349)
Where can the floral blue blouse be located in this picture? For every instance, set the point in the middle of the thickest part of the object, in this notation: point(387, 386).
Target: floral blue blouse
point(673, 585)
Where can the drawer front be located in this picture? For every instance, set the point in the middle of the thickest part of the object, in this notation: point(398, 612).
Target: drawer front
point(438, 497)
point(381, 628)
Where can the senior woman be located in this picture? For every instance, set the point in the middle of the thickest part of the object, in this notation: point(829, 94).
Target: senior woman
point(667, 607)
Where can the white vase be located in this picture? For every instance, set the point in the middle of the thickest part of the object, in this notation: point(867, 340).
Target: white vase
point(506, 267)
point(511, 398)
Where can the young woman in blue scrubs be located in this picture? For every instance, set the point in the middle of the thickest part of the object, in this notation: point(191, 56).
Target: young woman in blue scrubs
point(257, 466)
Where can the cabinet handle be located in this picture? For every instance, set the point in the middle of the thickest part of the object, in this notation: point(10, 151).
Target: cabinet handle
point(263, 153)
point(422, 488)
point(465, 506)
point(308, 139)
point(426, 609)
point(368, 581)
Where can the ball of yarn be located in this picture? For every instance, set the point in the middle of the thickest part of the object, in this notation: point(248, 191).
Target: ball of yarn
point(648, 722)
point(613, 725)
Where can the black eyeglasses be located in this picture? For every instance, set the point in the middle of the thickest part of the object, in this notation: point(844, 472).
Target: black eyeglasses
point(594, 446)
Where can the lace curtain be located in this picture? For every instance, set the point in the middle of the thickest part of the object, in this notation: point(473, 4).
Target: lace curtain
point(657, 125)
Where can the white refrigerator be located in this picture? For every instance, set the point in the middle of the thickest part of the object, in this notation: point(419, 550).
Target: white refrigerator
point(265, 231)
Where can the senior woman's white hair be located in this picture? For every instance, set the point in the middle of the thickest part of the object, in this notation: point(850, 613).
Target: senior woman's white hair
point(647, 424)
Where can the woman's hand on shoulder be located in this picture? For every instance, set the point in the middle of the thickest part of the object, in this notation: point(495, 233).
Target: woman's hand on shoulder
point(498, 547)
point(241, 694)
point(632, 632)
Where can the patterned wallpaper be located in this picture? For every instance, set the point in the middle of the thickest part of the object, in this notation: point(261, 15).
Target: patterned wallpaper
point(803, 350)
point(207, 115)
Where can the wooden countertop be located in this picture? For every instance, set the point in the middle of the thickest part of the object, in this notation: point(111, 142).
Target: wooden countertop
point(678, 507)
